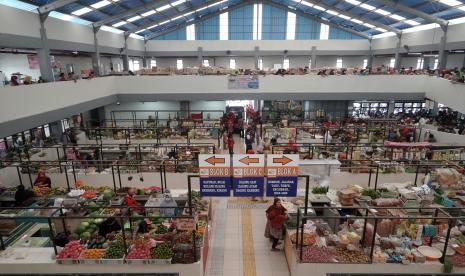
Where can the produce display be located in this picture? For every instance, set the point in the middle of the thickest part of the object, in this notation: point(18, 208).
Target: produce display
point(116, 250)
point(93, 253)
point(72, 250)
point(162, 251)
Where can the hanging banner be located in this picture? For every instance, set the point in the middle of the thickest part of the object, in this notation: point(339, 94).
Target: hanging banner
point(249, 174)
point(243, 82)
point(215, 174)
point(282, 175)
point(33, 61)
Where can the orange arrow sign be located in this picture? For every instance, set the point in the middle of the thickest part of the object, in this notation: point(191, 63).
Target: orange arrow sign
point(213, 160)
point(283, 160)
point(247, 160)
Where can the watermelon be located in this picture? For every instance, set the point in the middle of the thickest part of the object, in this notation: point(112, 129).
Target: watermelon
point(79, 230)
point(85, 224)
point(85, 235)
point(107, 194)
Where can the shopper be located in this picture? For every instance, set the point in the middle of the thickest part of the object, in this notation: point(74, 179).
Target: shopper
point(41, 80)
point(43, 180)
point(22, 195)
point(14, 80)
point(276, 215)
point(231, 144)
point(108, 226)
point(62, 77)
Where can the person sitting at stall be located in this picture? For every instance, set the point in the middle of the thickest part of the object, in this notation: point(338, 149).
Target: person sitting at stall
point(129, 199)
point(291, 147)
point(43, 180)
point(108, 226)
point(22, 196)
point(145, 226)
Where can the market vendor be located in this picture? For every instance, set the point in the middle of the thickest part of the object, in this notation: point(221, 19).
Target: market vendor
point(108, 226)
point(129, 199)
point(145, 226)
point(43, 180)
point(276, 215)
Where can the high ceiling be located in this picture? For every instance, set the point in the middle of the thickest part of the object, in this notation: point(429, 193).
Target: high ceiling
point(150, 18)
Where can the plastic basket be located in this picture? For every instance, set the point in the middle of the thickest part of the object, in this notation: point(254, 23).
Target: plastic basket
point(161, 261)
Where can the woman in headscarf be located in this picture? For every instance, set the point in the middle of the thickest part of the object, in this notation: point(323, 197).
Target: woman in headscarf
point(276, 215)
point(43, 180)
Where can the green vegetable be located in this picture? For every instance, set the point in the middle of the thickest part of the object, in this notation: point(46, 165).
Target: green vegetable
point(163, 251)
point(115, 251)
point(79, 230)
point(161, 229)
point(85, 235)
point(320, 190)
point(371, 193)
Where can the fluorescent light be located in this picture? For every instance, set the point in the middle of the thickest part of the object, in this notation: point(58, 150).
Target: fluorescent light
point(412, 22)
point(100, 4)
point(178, 2)
point(367, 7)
point(162, 8)
point(141, 31)
point(121, 23)
point(148, 13)
point(381, 30)
point(353, 2)
point(164, 22)
point(451, 3)
point(382, 12)
point(176, 18)
point(153, 26)
point(305, 3)
point(397, 17)
point(81, 11)
point(132, 19)
point(201, 9)
point(188, 13)
point(414, 54)
point(368, 25)
point(332, 12)
point(344, 17)
point(318, 8)
point(356, 21)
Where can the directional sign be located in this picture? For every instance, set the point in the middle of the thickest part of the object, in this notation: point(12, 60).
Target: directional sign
point(249, 173)
point(215, 174)
point(282, 175)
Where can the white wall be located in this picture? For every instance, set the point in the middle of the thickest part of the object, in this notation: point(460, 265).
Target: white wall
point(161, 105)
point(455, 60)
point(80, 63)
point(14, 63)
point(15, 21)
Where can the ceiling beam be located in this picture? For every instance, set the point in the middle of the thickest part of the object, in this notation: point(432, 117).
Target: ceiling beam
point(143, 8)
point(55, 5)
point(428, 17)
point(177, 14)
point(318, 19)
point(354, 16)
point(199, 19)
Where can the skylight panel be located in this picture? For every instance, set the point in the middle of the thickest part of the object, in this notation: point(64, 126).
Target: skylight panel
point(412, 22)
point(318, 8)
point(153, 26)
point(164, 22)
point(332, 12)
point(344, 17)
point(353, 2)
point(357, 21)
point(367, 7)
point(397, 17)
point(368, 25)
point(179, 2)
point(81, 11)
point(451, 3)
point(119, 24)
point(381, 30)
point(162, 8)
point(132, 19)
point(305, 3)
point(145, 14)
point(382, 12)
point(140, 31)
point(100, 4)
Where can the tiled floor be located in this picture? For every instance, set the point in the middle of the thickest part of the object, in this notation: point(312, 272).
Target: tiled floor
point(240, 239)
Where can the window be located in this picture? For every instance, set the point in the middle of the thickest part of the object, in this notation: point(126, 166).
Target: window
point(131, 65)
point(190, 32)
point(372, 109)
point(286, 64)
point(257, 21)
point(260, 64)
point(232, 63)
point(436, 63)
point(224, 30)
point(365, 63)
point(324, 31)
point(291, 21)
point(206, 63)
point(339, 62)
point(153, 63)
point(392, 63)
point(408, 107)
point(420, 63)
point(136, 65)
point(179, 64)
point(310, 63)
